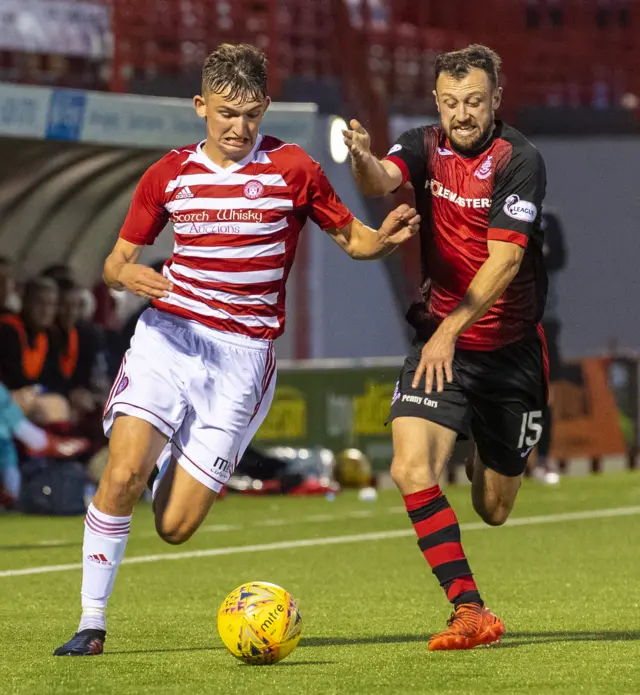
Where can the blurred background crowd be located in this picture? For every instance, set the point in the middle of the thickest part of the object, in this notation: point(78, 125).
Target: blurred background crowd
point(71, 161)
point(61, 345)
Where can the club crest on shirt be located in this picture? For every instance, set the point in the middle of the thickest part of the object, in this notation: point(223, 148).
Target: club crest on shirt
point(253, 189)
point(484, 170)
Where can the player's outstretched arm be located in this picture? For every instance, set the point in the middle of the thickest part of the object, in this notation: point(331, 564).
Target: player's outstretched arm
point(121, 271)
point(365, 244)
point(374, 177)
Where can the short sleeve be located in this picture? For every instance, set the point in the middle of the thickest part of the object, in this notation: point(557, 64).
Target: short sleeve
point(147, 215)
point(325, 207)
point(409, 155)
point(517, 198)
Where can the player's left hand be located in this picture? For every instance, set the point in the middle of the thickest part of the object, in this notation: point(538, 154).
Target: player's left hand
point(436, 361)
point(399, 225)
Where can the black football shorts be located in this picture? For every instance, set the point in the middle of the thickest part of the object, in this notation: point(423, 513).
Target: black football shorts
point(498, 397)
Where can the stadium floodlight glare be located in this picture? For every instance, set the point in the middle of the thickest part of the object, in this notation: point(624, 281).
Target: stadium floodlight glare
point(338, 149)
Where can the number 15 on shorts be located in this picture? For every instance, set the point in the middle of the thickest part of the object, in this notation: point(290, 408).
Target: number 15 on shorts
point(531, 429)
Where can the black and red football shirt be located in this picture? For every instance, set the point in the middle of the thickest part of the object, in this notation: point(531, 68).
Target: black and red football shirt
point(464, 202)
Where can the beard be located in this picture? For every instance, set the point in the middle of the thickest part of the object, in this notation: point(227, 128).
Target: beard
point(474, 138)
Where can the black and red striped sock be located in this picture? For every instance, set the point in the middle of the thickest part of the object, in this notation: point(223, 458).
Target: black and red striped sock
point(438, 534)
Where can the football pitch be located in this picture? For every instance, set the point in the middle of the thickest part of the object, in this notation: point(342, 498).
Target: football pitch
point(564, 575)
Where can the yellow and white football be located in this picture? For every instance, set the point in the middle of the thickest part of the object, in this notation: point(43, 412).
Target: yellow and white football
point(259, 623)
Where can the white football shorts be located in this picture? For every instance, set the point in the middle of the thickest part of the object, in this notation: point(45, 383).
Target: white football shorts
point(208, 391)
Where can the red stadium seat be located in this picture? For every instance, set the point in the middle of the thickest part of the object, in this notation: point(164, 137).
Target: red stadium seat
point(381, 50)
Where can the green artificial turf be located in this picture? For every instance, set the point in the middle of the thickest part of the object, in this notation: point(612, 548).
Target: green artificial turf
point(568, 591)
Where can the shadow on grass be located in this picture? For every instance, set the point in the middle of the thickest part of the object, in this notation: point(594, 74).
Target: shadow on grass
point(292, 663)
point(512, 639)
point(520, 639)
point(178, 650)
point(372, 639)
point(163, 651)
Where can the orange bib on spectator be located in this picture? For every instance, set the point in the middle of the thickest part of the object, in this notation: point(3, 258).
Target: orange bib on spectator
point(32, 357)
point(69, 358)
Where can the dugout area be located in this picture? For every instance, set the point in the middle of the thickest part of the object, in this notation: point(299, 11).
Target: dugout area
point(64, 202)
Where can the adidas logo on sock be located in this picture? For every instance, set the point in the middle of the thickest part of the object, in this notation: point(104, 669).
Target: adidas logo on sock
point(100, 559)
point(184, 193)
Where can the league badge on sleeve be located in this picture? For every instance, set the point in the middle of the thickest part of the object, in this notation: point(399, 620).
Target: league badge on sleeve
point(521, 210)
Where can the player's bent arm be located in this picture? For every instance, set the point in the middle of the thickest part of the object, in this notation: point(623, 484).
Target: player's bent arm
point(376, 178)
point(488, 285)
point(123, 252)
point(121, 271)
point(365, 244)
point(361, 242)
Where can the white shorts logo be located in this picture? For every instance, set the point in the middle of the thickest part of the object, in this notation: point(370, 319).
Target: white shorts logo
point(419, 400)
point(395, 148)
point(521, 210)
point(396, 393)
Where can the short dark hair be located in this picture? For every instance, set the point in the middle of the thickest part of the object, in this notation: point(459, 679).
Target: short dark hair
point(57, 271)
point(458, 63)
point(239, 71)
point(67, 285)
point(36, 285)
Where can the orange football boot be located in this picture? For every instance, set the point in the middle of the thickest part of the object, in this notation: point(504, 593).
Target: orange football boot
point(469, 626)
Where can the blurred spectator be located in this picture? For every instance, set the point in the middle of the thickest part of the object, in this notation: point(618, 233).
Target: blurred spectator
point(78, 347)
point(37, 443)
point(58, 272)
point(7, 286)
point(26, 357)
point(555, 256)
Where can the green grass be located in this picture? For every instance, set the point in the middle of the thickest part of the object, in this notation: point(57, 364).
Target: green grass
point(569, 592)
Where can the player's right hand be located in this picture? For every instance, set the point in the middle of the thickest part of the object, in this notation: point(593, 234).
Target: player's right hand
point(357, 140)
point(144, 281)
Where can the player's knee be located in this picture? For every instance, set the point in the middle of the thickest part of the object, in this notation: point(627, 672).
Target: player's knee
point(123, 479)
point(494, 514)
point(174, 531)
point(410, 472)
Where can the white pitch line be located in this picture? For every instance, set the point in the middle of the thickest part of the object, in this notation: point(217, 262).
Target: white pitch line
point(212, 528)
point(333, 540)
point(312, 519)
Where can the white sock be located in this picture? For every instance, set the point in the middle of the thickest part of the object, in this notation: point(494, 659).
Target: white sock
point(31, 435)
point(105, 540)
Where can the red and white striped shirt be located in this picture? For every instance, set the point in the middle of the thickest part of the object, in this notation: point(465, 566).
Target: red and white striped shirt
point(236, 230)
